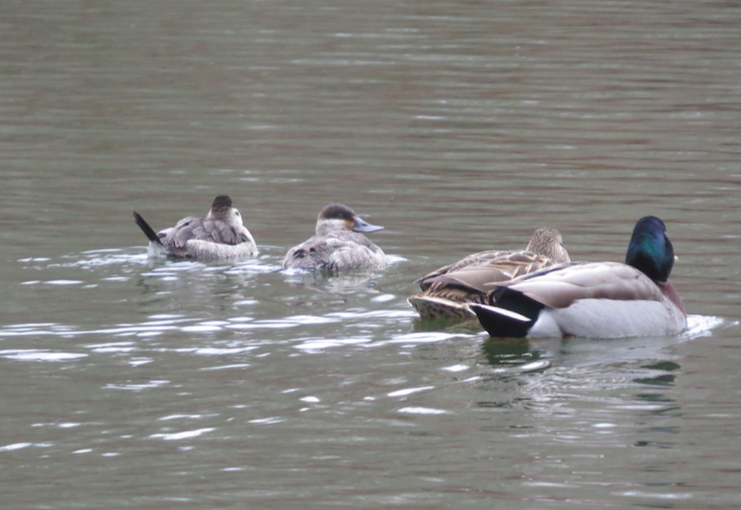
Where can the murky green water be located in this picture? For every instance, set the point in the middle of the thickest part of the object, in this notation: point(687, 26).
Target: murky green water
point(458, 126)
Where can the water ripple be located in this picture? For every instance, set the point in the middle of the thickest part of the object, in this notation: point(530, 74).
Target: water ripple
point(14, 446)
point(226, 367)
point(319, 344)
point(178, 436)
point(699, 326)
point(424, 337)
point(137, 387)
point(409, 391)
point(422, 410)
point(212, 351)
point(40, 355)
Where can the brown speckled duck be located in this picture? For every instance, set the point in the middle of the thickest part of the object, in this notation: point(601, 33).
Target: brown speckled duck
point(447, 290)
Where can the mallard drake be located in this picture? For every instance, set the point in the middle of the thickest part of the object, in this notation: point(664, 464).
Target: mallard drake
point(443, 296)
point(219, 236)
point(338, 243)
point(593, 299)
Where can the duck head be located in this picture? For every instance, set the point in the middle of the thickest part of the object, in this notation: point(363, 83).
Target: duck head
point(549, 242)
point(223, 209)
point(340, 217)
point(650, 250)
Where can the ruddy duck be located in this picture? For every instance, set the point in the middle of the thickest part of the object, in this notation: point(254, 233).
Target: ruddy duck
point(338, 243)
point(221, 235)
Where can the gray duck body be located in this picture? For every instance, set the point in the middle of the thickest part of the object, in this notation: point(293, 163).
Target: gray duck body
point(338, 244)
point(220, 235)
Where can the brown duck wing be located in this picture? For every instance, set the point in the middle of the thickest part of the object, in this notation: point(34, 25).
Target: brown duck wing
point(506, 267)
point(336, 250)
point(475, 259)
point(202, 229)
point(349, 250)
point(472, 280)
point(303, 255)
point(560, 287)
point(490, 266)
point(446, 294)
point(521, 263)
point(219, 231)
point(313, 253)
point(181, 233)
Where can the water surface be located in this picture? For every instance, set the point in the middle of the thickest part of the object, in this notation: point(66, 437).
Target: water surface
point(458, 126)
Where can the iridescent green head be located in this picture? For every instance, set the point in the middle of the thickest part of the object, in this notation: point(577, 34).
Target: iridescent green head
point(650, 250)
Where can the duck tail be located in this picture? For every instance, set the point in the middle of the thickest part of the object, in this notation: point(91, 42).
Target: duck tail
point(500, 322)
point(148, 231)
point(512, 317)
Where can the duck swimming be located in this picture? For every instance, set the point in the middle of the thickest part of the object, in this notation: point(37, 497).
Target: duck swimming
point(447, 290)
point(593, 299)
point(221, 235)
point(338, 243)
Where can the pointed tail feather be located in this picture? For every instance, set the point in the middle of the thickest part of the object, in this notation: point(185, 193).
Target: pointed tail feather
point(148, 231)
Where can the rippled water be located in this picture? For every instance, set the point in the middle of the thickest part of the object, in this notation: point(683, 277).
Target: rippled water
point(458, 126)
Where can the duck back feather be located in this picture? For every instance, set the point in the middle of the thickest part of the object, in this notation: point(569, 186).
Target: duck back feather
point(337, 250)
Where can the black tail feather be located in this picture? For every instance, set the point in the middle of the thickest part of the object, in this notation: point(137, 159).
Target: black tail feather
point(148, 231)
point(499, 322)
point(511, 316)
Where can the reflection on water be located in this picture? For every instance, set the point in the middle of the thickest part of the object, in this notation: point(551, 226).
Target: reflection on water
point(506, 351)
point(458, 126)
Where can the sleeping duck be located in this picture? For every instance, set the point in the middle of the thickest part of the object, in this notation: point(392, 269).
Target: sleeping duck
point(443, 296)
point(338, 243)
point(219, 236)
point(593, 299)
